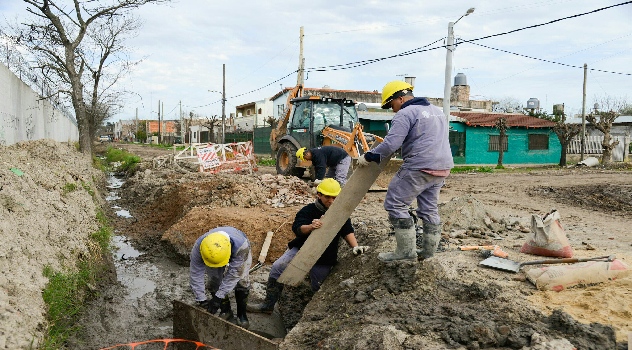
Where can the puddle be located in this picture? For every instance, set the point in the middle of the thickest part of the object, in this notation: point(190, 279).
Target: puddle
point(123, 213)
point(124, 250)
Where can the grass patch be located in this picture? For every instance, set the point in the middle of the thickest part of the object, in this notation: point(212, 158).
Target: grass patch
point(472, 169)
point(69, 187)
point(121, 160)
point(66, 291)
point(266, 161)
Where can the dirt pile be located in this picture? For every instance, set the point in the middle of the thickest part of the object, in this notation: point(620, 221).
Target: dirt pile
point(47, 213)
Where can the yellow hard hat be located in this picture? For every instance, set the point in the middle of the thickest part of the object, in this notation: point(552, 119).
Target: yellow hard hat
point(329, 187)
point(215, 249)
point(392, 88)
point(300, 152)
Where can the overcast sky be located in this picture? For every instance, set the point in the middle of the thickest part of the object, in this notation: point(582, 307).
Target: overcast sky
point(184, 44)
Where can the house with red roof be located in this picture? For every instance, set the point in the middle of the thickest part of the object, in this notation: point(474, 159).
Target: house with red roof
point(476, 141)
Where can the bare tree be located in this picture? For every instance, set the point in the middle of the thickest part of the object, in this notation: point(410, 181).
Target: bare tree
point(508, 105)
point(270, 120)
point(565, 132)
point(602, 120)
point(501, 125)
point(211, 123)
point(72, 49)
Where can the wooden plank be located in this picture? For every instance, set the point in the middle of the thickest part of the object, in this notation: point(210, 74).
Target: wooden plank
point(352, 193)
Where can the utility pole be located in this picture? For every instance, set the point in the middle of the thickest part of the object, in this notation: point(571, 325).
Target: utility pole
point(158, 121)
point(300, 80)
point(448, 68)
point(448, 72)
point(162, 113)
point(583, 137)
point(223, 103)
point(136, 133)
point(181, 124)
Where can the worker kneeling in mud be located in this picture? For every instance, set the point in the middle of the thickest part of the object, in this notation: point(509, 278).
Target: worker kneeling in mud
point(306, 221)
point(223, 253)
point(332, 157)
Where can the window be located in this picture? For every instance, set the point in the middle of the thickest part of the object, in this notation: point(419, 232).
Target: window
point(280, 109)
point(538, 142)
point(494, 143)
point(259, 111)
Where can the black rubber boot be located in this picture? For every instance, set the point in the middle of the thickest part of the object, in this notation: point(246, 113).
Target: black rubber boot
point(273, 292)
point(241, 296)
point(225, 311)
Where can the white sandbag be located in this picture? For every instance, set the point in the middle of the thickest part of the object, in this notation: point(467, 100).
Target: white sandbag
point(547, 237)
point(560, 277)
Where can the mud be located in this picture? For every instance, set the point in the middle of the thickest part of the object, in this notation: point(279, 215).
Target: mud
point(448, 301)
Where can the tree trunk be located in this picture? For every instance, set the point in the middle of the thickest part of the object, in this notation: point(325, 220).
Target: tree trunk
point(606, 156)
point(563, 154)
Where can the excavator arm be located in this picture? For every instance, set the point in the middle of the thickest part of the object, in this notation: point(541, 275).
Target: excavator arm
point(281, 127)
point(354, 142)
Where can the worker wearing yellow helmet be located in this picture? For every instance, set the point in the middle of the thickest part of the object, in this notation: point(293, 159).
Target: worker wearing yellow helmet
point(306, 221)
point(222, 254)
point(421, 131)
point(328, 161)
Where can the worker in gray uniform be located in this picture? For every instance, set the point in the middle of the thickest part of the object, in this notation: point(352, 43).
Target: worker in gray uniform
point(421, 131)
point(224, 255)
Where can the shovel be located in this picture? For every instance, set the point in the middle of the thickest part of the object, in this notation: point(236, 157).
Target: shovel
point(514, 266)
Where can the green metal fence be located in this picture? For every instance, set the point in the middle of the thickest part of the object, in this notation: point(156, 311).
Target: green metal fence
point(261, 141)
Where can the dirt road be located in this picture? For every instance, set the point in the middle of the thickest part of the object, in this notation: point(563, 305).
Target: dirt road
point(446, 301)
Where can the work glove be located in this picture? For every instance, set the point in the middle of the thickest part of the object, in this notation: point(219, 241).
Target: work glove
point(317, 182)
point(362, 162)
point(368, 157)
point(211, 305)
point(360, 249)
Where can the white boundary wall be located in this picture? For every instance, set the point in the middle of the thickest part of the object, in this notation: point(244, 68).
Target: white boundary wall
point(23, 116)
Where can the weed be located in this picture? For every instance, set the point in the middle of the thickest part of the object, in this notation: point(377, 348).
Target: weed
point(67, 291)
point(266, 161)
point(69, 187)
point(88, 189)
point(485, 169)
point(123, 160)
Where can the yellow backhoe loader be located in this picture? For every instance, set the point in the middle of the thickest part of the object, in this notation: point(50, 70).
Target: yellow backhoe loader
point(312, 121)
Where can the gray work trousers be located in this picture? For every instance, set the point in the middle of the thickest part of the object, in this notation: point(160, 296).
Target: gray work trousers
point(340, 171)
point(317, 274)
point(407, 185)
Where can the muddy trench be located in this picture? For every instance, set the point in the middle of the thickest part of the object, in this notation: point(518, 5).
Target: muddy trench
point(150, 275)
point(466, 306)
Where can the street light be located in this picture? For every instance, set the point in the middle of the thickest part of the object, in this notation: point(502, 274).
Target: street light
point(448, 66)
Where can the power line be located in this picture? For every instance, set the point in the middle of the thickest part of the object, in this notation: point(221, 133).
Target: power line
point(265, 86)
point(548, 61)
point(421, 49)
point(550, 22)
point(374, 60)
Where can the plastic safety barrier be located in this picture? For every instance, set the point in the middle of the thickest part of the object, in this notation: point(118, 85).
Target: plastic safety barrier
point(230, 157)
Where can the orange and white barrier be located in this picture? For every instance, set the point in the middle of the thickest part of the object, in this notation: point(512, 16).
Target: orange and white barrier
point(230, 157)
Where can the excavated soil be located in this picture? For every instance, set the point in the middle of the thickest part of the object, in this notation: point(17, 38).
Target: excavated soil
point(446, 302)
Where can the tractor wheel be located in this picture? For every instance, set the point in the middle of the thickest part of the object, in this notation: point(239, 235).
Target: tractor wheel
point(286, 160)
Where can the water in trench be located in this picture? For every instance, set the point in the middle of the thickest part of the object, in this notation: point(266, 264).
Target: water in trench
point(139, 307)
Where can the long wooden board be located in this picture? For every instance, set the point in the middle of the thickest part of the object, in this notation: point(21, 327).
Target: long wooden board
point(352, 193)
